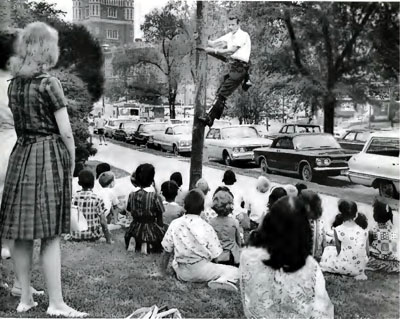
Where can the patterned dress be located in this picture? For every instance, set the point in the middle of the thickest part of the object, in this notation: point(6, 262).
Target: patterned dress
point(384, 253)
point(352, 258)
point(94, 209)
point(271, 293)
point(147, 210)
point(36, 201)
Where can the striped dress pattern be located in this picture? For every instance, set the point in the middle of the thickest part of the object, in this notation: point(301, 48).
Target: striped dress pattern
point(36, 201)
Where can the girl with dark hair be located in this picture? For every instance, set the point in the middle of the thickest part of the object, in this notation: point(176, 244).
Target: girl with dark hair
point(314, 212)
point(146, 209)
point(384, 254)
point(180, 196)
point(351, 240)
point(279, 278)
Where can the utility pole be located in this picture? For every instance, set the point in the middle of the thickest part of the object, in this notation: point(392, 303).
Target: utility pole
point(196, 161)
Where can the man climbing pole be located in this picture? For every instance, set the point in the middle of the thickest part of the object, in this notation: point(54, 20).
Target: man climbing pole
point(233, 48)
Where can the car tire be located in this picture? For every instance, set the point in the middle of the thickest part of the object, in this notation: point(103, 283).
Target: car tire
point(306, 172)
point(264, 166)
point(175, 150)
point(227, 159)
point(387, 189)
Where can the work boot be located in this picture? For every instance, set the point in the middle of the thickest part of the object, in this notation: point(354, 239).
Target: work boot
point(206, 120)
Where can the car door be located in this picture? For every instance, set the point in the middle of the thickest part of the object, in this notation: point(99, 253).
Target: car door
point(348, 141)
point(138, 134)
point(382, 157)
point(168, 138)
point(360, 140)
point(274, 154)
point(208, 142)
point(287, 155)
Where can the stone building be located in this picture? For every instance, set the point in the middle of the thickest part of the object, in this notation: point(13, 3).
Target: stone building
point(110, 21)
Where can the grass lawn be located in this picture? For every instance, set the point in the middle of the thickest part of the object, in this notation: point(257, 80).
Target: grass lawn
point(107, 281)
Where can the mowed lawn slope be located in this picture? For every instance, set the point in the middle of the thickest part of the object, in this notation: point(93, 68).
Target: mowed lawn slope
point(107, 281)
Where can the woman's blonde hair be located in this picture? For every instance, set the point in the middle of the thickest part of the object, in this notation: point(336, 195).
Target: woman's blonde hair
point(36, 50)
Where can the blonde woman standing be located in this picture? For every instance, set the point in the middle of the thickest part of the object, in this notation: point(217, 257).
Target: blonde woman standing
point(37, 192)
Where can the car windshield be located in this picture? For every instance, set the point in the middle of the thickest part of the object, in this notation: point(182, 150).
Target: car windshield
point(308, 129)
point(239, 132)
point(182, 129)
point(154, 128)
point(315, 141)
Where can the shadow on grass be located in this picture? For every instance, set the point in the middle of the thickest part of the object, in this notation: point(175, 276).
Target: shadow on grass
point(109, 282)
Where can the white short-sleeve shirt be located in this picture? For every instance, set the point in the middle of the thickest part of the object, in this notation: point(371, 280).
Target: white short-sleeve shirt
point(192, 240)
point(239, 39)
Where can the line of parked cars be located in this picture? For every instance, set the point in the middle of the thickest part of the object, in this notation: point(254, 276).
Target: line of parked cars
point(367, 157)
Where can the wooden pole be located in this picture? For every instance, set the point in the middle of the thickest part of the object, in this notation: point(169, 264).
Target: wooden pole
point(196, 161)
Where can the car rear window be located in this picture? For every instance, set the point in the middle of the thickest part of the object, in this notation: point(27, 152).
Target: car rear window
point(154, 128)
point(384, 146)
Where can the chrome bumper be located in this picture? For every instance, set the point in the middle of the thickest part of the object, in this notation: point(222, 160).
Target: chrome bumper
point(246, 156)
point(322, 169)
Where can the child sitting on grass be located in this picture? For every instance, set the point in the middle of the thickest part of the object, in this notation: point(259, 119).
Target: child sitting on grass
point(384, 254)
point(314, 212)
point(349, 257)
point(227, 228)
point(258, 201)
point(169, 189)
point(111, 202)
point(92, 207)
point(278, 277)
point(146, 208)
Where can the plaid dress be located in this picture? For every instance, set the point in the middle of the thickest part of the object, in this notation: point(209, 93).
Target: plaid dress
point(93, 208)
point(147, 211)
point(36, 200)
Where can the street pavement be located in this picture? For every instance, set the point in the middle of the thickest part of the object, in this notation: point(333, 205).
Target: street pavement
point(128, 159)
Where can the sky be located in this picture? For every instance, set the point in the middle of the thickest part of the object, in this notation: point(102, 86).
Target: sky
point(142, 7)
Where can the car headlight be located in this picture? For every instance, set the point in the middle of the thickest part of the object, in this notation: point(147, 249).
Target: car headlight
point(242, 150)
point(235, 150)
point(150, 140)
point(323, 161)
point(184, 143)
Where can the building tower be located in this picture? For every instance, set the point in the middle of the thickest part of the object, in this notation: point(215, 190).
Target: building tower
point(110, 21)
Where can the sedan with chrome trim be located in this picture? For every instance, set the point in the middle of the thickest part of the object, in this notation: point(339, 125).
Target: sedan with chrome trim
point(176, 138)
point(233, 143)
point(306, 155)
point(377, 165)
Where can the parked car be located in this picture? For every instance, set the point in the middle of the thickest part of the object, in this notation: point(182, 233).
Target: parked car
point(125, 131)
point(297, 128)
point(146, 131)
point(377, 165)
point(175, 138)
point(354, 139)
point(307, 155)
point(262, 130)
point(112, 125)
point(233, 143)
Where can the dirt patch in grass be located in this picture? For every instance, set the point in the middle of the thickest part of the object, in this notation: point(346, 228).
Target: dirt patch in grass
point(109, 282)
point(119, 173)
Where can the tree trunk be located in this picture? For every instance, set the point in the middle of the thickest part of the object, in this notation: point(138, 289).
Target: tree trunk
point(329, 112)
point(171, 102)
point(196, 160)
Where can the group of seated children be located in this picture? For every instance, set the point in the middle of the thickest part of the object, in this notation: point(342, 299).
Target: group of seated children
point(345, 249)
point(279, 266)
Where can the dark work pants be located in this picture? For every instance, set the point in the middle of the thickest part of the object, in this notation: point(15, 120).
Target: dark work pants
point(237, 73)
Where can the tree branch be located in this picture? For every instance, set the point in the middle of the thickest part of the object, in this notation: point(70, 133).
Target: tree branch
point(295, 44)
point(349, 46)
point(144, 61)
